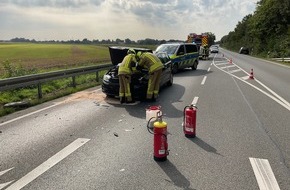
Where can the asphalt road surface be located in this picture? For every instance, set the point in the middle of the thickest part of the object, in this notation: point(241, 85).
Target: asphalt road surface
point(87, 141)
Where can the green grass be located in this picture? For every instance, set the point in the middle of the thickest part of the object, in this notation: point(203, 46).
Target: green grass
point(49, 57)
point(50, 90)
point(26, 51)
point(18, 59)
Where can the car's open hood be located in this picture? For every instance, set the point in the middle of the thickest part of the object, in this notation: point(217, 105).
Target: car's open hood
point(118, 53)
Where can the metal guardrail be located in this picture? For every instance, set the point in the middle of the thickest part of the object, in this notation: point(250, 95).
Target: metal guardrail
point(282, 59)
point(38, 79)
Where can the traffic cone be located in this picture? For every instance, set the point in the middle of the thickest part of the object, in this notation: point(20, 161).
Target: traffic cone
point(251, 74)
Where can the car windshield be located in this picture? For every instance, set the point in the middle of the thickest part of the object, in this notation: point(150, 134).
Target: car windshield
point(163, 57)
point(169, 49)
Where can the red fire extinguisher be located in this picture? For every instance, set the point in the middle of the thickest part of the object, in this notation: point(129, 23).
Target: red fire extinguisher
point(189, 121)
point(160, 138)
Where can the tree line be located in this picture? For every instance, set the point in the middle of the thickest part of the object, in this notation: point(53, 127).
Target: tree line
point(266, 32)
point(127, 41)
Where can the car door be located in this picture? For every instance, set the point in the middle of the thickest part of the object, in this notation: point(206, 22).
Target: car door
point(180, 54)
point(167, 69)
point(191, 54)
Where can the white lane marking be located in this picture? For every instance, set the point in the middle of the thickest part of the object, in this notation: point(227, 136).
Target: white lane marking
point(208, 69)
point(194, 101)
point(5, 171)
point(234, 71)
point(203, 80)
point(227, 66)
point(219, 61)
point(275, 94)
point(2, 185)
point(23, 116)
point(264, 174)
point(271, 91)
point(282, 102)
point(224, 63)
point(245, 77)
point(48, 164)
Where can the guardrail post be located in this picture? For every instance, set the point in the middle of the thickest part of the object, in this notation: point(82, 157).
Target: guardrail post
point(97, 76)
point(39, 91)
point(74, 81)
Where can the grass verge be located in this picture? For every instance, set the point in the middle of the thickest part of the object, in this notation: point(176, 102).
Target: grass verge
point(50, 90)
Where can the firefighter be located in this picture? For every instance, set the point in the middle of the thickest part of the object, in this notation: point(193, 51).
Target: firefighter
point(206, 49)
point(154, 66)
point(124, 73)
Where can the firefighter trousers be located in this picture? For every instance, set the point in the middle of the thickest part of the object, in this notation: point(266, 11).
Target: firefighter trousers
point(124, 91)
point(154, 84)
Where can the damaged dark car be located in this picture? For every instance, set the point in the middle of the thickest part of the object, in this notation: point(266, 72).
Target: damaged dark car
point(139, 79)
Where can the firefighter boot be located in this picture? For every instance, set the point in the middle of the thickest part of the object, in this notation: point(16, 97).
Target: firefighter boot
point(122, 100)
point(129, 100)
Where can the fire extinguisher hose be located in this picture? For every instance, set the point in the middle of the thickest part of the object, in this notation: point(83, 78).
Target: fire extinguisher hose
point(148, 126)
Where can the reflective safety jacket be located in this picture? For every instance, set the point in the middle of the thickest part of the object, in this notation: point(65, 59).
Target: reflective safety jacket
point(126, 66)
point(150, 61)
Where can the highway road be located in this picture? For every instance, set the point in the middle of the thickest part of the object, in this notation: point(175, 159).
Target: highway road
point(87, 141)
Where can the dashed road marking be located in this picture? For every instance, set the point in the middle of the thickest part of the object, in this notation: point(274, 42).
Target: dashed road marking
point(48, 164)
point(194, 101)
point(264, 174)
point(203, 80)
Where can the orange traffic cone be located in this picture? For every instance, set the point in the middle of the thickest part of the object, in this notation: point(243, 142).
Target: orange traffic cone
point(251, 74)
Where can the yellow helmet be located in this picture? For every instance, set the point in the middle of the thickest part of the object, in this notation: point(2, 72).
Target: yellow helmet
point(131, 51)
point(139, 53)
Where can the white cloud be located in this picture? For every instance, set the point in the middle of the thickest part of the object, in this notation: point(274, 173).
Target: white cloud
point(111, 19)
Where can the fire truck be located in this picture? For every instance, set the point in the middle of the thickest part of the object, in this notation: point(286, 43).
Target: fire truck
point(201, 40)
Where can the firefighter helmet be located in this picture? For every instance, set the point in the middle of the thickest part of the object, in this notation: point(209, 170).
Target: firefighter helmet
point(131, 51)
point(139, 54)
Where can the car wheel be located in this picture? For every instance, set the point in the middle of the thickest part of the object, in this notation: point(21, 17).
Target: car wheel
point(194, 66)
point(170, 82)
point(175, 68)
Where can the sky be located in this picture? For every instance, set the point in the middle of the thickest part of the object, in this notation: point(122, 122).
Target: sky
point(111, 19)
